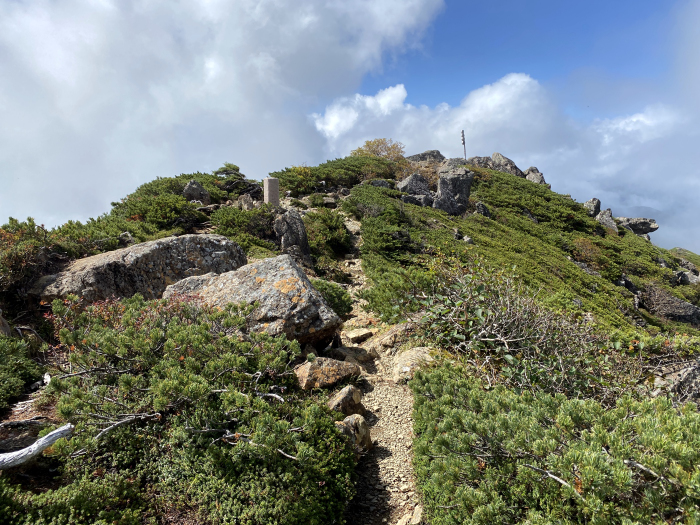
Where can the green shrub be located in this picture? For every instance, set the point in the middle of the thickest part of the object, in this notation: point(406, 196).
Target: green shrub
point(494, 456)
point(316, 200)
point(16, 369)
point(247, 227)
point(335, 295)
point(174, 410)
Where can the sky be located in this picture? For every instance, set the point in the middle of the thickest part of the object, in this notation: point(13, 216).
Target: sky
point(100, 96)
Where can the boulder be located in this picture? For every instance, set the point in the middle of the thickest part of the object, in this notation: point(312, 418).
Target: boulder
point(389, 341)
point(287, 302)
point(147, 268)
point(446, 201)
point(125, 239)
point(414, 185)
point(323, 372)
point(430, 156)
point(496, 162)
point(684, 263)
point(482, 209)
point(593, 207)
point(356, 429)
point(606, 220)
point(291, 236)
point(353, 354)
point(660, 302)
point(407, 362)
point(348, 401)
point(450, 165)
point(453, 191)
point(5, 327)
point(533, 175)
point(418, 200)
point(245, 202)
point(359, 335)
point(639, 226)
point(194, 191)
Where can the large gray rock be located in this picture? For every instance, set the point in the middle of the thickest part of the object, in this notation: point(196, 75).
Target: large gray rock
point(638, 225)
point(418, 200)
point(606, 220)
point(684, 263)
point(533, 175)
point(414, 185)
point(323, 372)
point(291, 235)
point(356, 430)
point(407, 362)
point(660, 302)
point(453, 191)
point(482, 209)
point(147, 268)
point(194, 191)
point(287, 302)
point(348, 401)
point(446, 201)
point(593, 207)
point(430, 156)
point(496, 162)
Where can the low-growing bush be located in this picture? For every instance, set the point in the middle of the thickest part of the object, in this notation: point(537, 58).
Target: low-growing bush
point(335, 295)
point(176, 411)
point(492, 456)
point(16, 369)
point(247, 227)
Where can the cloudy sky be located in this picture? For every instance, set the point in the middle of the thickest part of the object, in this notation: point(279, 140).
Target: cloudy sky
point(99, 96)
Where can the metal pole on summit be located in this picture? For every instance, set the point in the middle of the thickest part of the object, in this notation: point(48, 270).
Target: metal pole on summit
point(465, 146)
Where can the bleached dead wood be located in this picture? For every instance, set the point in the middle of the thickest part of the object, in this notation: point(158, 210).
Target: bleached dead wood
point(12, 459)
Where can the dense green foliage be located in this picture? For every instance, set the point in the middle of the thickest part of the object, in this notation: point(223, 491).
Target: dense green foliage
point(16, 369)
point(247, 227)
point(488, 456)
point(329, 240)
point(335, 295)
point(176, 411)
point(347, 172)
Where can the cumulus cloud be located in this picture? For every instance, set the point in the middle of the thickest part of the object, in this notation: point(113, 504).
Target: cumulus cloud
point(636, 164)
point(97, 97)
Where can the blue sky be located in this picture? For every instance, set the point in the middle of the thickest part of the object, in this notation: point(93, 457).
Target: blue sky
point(99, 96)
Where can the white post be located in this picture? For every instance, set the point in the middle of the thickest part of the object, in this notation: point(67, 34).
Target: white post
point(271, 187)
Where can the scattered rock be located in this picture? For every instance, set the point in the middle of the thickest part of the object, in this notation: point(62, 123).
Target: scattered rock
point(348, 401)
point(194, 191)
point(414, 184)
point(5, 327)
point(125, 239)
point(358, 336)
point(245, 202)
point(482, 209)
point(432, 156)
point(389, 341)
point(354, 354)
point(533, 175)
point(496, 162)
point(407, 362)
point(468, 239)
point(287, 302)
point(683, 263)
point(418, 200)
point(593, 207)
point(660, 302)
point(291, 235)
point(638, 225)
point(356, 429)
point(323, 372)
point(146, 268)
point(606, 220)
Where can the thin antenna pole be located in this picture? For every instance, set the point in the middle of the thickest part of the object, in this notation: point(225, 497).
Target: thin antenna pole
point(465, 146)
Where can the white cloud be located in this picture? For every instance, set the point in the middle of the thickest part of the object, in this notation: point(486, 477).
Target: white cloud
point(98, 97)
point(639, 163)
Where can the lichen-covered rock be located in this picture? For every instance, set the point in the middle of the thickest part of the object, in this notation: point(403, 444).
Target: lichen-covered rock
point(533, 175)
point(414, 184)
point(348, 401)
point(606, 220)
point(147, 268)
point(453, 191)
point(660, 302)
point(496, 162)
point(287, 302)
point(356, 429)
point(433, 156)
point(323, 372)
point(194, 191)
point(638, 225)
point(593, 207)
point(407, 362)
point(291, 235)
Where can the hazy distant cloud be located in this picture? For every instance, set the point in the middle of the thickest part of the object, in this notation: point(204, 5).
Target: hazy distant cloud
point(97, 97)
point(632, 162)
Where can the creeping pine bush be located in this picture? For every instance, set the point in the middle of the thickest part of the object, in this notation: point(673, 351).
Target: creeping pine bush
point(16, 369)
point(493, 456)
point(248, 228)
point(178, 413)
point(329, 239)
point(335, 295)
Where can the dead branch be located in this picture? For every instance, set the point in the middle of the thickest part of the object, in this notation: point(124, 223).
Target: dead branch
point(12, 459)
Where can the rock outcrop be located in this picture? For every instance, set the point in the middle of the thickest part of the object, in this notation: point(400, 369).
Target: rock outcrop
point(454, 186)
point(348, 401)
point(606, 220)
point(639, 226)
point(414, 184)
point(147, 268)
point(482, 209)
point(496, 162)
point(407, 362)
point(593, 207)
point(291, 235)
point(323, 372)
point(533, 175)
point(194, 191)
point(660, 302)
point(430, 156)
point(287, 302)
